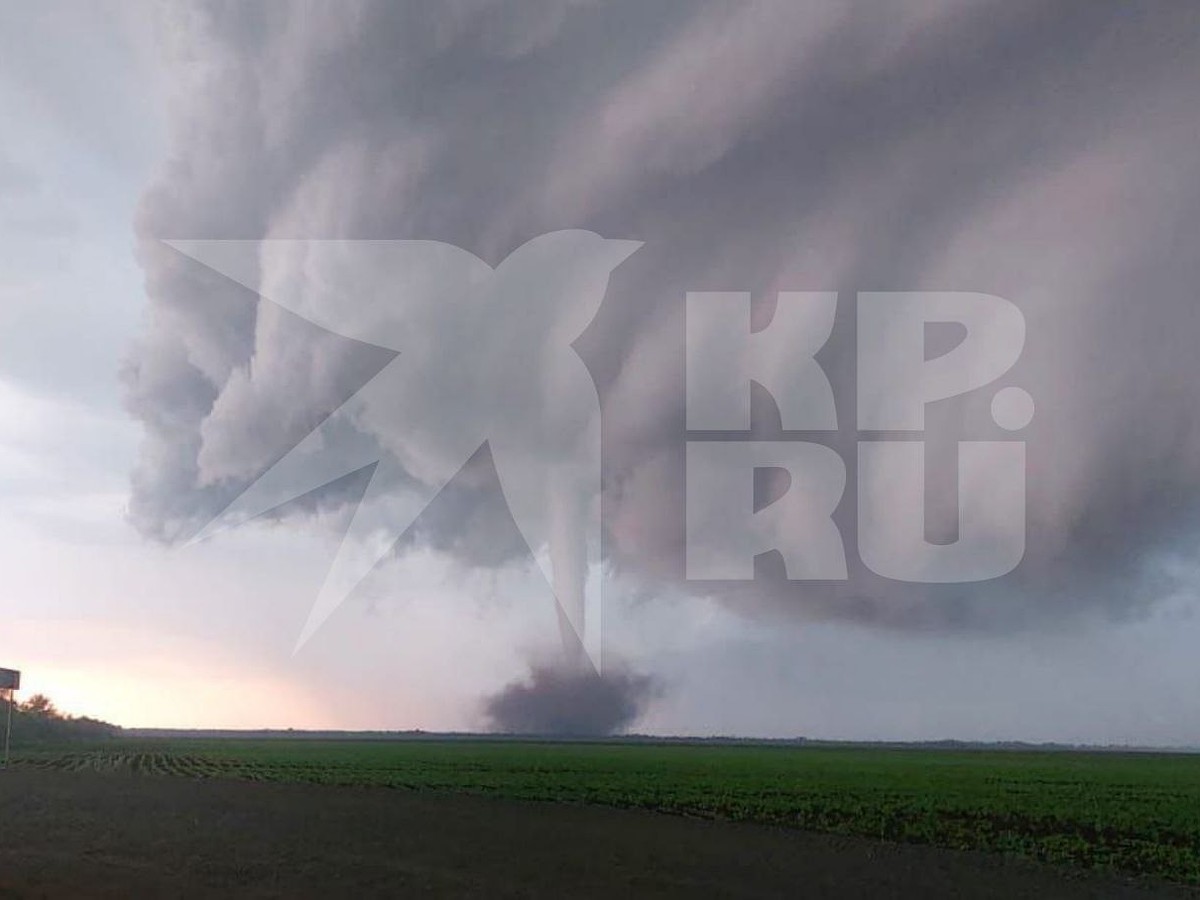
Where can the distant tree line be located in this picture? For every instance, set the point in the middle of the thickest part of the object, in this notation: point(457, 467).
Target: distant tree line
point(38, 721)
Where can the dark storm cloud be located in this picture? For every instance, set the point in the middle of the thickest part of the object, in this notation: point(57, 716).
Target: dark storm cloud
point(556, 702)
point(1040, 152)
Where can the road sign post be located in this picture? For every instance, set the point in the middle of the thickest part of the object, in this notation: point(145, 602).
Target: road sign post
point(10, 682)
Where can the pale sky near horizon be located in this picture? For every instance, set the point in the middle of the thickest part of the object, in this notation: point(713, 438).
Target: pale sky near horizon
point(112, 624)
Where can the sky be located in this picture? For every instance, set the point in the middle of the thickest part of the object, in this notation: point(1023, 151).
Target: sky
point(1045, 156)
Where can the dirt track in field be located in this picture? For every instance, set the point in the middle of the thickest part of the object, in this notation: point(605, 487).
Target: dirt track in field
point(65, 834)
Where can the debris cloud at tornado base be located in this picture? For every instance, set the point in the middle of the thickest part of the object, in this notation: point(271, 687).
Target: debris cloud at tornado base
point(569, 701)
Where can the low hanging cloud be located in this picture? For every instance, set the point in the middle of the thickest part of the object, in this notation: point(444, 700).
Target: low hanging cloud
point(1040, 152)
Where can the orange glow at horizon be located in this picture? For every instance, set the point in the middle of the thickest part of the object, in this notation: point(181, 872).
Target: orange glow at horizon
point(176, 701)
point(138, 679)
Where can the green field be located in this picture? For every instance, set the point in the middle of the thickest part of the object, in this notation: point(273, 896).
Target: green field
point(1126, 812)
